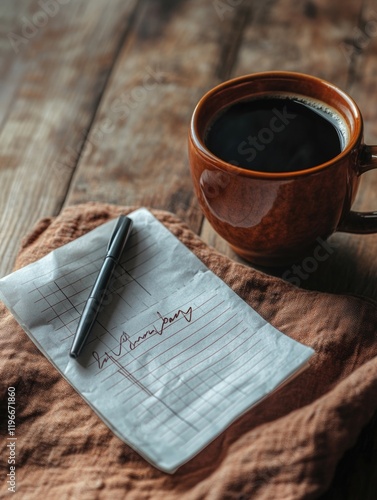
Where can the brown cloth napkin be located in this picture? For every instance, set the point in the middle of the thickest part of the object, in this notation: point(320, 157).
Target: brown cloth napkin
point(287, 447)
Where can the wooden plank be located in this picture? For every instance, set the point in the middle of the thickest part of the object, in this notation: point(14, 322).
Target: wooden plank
point(57, 66)
point(172, 58)
point(303, 37)
point(11, 67)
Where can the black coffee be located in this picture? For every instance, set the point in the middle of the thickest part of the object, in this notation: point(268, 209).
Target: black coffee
point(275, 134)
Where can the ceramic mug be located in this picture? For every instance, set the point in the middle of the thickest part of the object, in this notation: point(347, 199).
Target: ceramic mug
point(274, 219)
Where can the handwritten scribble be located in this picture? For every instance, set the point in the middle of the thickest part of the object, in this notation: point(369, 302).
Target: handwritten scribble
point(125, 339)
point(165, 321)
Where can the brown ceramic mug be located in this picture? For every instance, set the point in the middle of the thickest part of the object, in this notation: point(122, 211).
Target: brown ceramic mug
point(276, 218)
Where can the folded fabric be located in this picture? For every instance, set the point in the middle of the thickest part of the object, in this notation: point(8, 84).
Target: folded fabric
point(285, 447)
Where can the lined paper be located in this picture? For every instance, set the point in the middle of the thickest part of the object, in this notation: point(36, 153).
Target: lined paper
point(175, 355)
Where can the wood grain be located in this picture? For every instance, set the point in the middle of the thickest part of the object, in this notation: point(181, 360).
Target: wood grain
point(51, 91)
point(171, 59)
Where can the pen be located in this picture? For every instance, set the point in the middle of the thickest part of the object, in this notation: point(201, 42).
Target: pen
point(115, 249)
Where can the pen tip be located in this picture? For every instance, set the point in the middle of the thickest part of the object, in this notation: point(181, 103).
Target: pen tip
point(73, 355)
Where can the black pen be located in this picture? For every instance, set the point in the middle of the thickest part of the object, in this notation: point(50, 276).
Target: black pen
point(115, 249)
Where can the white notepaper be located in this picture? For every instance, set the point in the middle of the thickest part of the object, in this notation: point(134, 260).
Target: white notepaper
point(175, 355)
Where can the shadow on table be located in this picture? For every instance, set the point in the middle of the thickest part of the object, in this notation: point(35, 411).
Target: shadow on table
point(341, 270)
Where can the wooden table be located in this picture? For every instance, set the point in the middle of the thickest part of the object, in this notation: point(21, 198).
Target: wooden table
point(96, 98)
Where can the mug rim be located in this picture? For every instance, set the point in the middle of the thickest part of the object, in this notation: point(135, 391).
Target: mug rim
point(219, 163)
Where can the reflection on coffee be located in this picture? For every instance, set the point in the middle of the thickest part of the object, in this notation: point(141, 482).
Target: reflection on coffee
point(277, 133)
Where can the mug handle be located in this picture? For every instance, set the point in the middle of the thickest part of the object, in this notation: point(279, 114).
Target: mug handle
point(362, 222)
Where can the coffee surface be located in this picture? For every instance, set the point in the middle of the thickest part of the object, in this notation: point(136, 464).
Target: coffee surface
point(275, 134)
